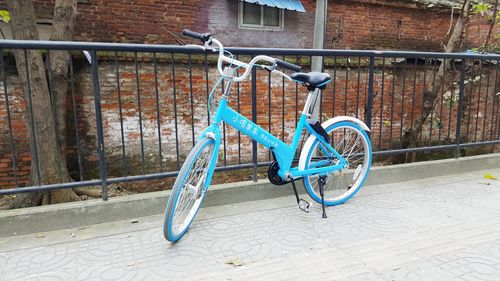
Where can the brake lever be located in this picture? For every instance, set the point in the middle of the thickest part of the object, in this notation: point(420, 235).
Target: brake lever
point(282, 74)
point(195, 45)
point(87, 56)
point(208, 46)
point(269, 68)
point(205, 48)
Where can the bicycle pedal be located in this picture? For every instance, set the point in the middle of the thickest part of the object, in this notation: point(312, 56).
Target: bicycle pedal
point(304, 205)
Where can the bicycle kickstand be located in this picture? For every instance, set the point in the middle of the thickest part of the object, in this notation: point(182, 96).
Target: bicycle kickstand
point(321, 183)
point(303, 204)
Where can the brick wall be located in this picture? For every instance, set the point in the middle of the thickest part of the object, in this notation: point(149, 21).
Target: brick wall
point(373, 24)
point(351, 25)
point(477, 31)
point(277, 108)
point(137, 21)
point(367, 25)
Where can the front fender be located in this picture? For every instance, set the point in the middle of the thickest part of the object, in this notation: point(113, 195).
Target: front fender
point(213, 132)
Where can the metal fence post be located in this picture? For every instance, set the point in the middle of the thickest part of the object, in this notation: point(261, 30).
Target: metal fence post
point(254, 119)
point(369, 102)
point(459, 113)
point(98, 120)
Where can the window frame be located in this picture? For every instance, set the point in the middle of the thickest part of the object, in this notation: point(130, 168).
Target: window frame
point(242, 25)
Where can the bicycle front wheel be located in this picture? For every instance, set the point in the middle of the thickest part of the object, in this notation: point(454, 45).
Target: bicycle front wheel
point(353, 144)
point(189, 190)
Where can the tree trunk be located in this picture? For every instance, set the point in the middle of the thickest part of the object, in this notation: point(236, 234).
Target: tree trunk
point(58, 65)
point(411, 134)
point(51, 167)
point(62, 30)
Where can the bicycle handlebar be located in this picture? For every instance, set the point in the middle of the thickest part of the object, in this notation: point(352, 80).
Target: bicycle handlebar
point(204, 37)
point(209, 40)
point(288, 65)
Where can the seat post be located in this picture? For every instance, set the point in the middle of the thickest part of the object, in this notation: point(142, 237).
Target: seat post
point(316, 95)
point(307, 105)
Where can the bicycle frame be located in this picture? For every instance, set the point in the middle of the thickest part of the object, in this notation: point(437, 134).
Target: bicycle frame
point(283, 152)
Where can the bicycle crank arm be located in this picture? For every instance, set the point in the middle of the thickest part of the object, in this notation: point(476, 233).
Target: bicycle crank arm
point(303, 204)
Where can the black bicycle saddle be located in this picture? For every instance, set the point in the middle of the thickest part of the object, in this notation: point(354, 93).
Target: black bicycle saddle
point(312, 79)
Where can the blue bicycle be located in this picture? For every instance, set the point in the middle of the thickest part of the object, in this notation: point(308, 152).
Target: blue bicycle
point(333, 164)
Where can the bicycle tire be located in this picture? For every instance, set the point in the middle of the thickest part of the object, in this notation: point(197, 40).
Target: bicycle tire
point(344, 189)
point(175, 225)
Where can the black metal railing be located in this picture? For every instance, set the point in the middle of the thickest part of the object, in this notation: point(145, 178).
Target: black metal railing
point(134, 112)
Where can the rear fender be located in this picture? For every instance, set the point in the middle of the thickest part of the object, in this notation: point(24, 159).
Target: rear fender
point(331, 121)
point(310, 140)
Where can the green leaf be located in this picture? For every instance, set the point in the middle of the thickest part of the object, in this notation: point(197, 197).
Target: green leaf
point(481, 8)
point(4, 16)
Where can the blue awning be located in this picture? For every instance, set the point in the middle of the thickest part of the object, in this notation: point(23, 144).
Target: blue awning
point(292, 5)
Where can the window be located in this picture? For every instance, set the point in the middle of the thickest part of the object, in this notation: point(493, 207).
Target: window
point(253, 16)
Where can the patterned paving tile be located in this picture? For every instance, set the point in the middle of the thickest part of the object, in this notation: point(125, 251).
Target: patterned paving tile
point(444, 232)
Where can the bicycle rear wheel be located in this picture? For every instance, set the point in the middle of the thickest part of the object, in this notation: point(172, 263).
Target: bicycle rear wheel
point(350, 141)
point(189, 190)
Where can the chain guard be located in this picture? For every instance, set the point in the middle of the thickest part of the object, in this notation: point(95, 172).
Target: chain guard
point(272, 174)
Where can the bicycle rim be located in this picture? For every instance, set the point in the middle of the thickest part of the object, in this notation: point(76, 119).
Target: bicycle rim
point(350, 141)
point(189, 190)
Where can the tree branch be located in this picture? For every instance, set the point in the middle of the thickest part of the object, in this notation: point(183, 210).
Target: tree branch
point(492, 24)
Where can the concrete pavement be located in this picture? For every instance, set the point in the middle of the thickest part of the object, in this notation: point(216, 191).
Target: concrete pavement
point(442, 228)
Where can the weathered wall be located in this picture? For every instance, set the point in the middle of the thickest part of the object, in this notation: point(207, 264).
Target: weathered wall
point(392, 26)
point(398, 25)
point(373, 24)
point(297, 33)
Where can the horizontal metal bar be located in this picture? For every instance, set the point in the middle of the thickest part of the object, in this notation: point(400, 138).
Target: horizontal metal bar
point(126, 47)
point(175, 173)
point(95, 46)
point(48, 187)
point(142, 177)
point(416, 149)
point(479, 143)
point(360, 53)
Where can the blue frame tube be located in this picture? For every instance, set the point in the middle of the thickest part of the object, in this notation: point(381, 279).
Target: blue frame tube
point(284, 153)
